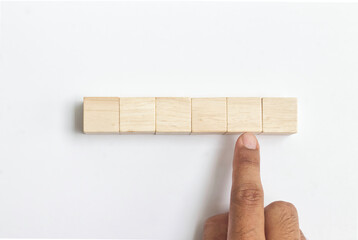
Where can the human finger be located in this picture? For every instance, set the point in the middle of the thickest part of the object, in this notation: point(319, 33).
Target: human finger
point(246, 216)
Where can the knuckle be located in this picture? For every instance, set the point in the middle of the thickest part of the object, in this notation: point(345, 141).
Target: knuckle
point(247, 194)
point(249, 160)
point(282, 207)
point(211, 220)
point(286, 215)
point(216, 219)
point(247, 233)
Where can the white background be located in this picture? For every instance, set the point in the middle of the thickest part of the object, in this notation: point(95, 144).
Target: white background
point(57, 182)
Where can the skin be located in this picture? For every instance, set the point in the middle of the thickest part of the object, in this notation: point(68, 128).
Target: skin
point(247, 218)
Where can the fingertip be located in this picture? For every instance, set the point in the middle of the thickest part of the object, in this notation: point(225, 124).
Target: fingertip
point(248, 141)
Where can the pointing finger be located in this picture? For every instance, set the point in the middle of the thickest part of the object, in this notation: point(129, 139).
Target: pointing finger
point(246, 216)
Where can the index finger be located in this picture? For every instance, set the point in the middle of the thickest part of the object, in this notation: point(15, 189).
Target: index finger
point(246, 216)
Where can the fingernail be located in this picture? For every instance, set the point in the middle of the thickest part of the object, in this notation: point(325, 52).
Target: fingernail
point(249, 141)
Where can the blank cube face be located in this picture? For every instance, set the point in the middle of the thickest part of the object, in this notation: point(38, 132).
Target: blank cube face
point(209, 115)
point(100, 115)
point(173, 115)
point(137, 115)
point(244, 115)
point(279, 115)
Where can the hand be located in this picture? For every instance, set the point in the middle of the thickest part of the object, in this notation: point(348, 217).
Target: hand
point(247, 218)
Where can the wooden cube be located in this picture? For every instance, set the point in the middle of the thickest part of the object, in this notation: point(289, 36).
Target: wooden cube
point(101, 115)
point(173, 115)
point(137, 115)
point(208, 115)
point(244, 115)
point(279, 115)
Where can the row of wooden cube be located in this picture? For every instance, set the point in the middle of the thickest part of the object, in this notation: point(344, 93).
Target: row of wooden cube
point(182, 115)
